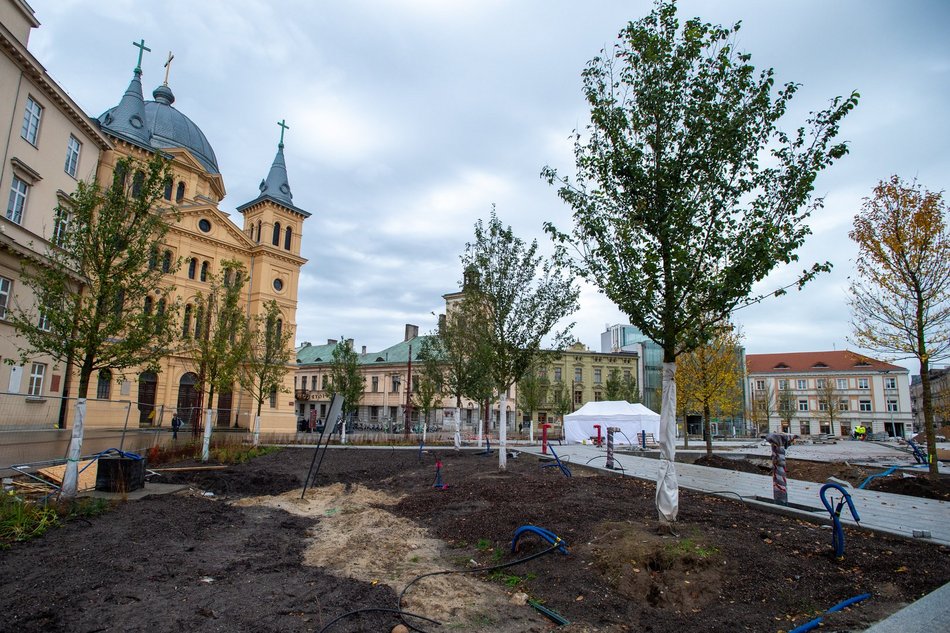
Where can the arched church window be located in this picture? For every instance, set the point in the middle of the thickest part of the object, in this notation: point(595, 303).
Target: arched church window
point(148, 304)
point(180, 193)
point(192, 267)
point(168, 188)
point(138, 180)
point(258, 231)
point(288, 235)
point(280, 328)
point(204, 271)
point(276, 240)
point(104, 385)
point(199, 321)
point(166, 261)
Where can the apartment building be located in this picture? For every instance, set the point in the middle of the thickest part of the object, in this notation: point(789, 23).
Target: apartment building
point(833, 392)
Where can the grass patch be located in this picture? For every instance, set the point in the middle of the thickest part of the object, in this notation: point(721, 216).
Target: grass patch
point(483, 544)
point(23, 520)
point(239, 453)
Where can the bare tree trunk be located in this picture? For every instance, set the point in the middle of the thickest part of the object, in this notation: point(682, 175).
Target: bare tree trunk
point(707, 429)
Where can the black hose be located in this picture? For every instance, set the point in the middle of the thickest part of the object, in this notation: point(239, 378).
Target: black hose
point(622, 469)
point(727, 492)
point(369, 609)
point(475, 570)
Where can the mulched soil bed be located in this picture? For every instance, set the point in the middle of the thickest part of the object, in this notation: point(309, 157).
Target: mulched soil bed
point(190, 562)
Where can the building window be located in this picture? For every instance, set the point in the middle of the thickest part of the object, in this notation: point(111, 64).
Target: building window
point(17, 201)
point(803, 405)
point(166, 261)
point(843, 404)
point(204, 225)
point(892, 405)
point(783, 384)
point(273, 399)
point(149, 302)
point(802, 383)
point(258, 231)
point(37, 373)
point(5, 286)
point(192, 267)
point(597, 397)
point(819, 383)
point(204, 270)
point(60, 226)
point(395, 384)
point(822, 405)
point(43, 322)
point(760, 385)
point(180, 193)
point(890, 383)
point(326, 382)
point(276, 240)
point(288, 236)
point(199, 318)
point(31, 121)
point(578, 374)
point(862, 383)
point(864, 405)
point(597, 376)
point(557, 374)
point(374, 382)
point(168, 189)
point(73, 147)
point(313, 383)
point(578, 397)
point(842, 383)
point(104, 385)
point(186, 322)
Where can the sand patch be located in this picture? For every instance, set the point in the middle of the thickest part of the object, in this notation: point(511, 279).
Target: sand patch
point(358, 538)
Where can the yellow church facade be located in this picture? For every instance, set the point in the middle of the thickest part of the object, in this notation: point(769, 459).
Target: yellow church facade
point(266, 239)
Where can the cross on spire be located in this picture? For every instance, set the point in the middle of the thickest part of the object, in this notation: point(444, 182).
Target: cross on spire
point(142, 48)
point(283, 127)
point(168, 66)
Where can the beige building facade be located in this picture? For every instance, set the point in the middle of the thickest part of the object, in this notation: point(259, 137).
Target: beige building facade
point(49, 145)
point(829, 393)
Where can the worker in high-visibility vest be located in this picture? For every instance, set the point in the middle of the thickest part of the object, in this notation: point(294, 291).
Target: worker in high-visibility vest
point(859, 431)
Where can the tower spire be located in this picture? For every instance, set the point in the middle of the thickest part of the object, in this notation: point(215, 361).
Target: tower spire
point(276, 185)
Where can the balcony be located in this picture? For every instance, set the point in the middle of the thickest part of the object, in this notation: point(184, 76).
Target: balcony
point(301, 394)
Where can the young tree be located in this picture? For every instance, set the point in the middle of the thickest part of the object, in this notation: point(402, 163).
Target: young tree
point(270, 354)
point(613, 386)
point(106, 303)
point(829, 410)
point(431, 382)
point(533, 389)
point(677, 213)
point(521, 299)
point(345, 378)
point(219, 343)
point(460, 358)
point(710, 377)
point(900, 297)
point(560, 400)
point(761, 409)
point(787, 403)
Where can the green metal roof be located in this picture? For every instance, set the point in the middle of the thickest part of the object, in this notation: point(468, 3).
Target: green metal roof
point(396, 354)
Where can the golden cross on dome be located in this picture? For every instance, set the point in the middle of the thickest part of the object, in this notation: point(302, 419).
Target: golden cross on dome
point(168, 66)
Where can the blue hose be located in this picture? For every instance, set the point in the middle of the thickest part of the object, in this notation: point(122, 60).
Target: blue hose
point(837, 535)
point(546, 534)
point(557, 463)
point(808, 626)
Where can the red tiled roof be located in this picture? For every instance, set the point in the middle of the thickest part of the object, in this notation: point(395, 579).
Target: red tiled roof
point(797, 362)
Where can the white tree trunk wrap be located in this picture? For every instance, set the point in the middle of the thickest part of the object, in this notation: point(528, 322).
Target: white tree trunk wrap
point(502, 431)
point(71, 476)
point(257, 430)
point(481, 422)
point(667, 488)
point(458, 428)
point(206, 444)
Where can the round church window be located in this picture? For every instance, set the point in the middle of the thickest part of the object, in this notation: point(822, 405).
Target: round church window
point(278, 284)
point(204, 225)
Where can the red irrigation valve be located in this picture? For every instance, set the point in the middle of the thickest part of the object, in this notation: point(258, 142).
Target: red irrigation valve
point(544, 438)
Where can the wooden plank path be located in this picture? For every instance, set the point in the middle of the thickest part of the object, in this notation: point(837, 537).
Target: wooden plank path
point(901, 515)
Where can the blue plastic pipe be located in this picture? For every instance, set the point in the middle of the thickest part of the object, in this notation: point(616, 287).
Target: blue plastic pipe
point(837, 535)
point(812, 624)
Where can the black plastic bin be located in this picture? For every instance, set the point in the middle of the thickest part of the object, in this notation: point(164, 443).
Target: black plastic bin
point(120, 474)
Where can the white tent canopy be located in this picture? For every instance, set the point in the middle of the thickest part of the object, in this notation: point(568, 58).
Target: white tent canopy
point(631, 419)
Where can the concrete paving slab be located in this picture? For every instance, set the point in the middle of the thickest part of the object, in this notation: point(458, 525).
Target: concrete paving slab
point(930, 614)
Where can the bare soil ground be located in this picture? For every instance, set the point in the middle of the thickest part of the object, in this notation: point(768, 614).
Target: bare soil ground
point(257, 557)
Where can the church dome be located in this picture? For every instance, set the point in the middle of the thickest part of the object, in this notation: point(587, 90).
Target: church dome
point(167, 128)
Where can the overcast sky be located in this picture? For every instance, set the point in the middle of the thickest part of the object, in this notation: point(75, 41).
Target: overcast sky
point(410, 118)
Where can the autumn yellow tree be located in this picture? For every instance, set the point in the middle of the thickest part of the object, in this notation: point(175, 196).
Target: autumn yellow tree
point(710, 378)
point(829, 404)
point(900, 296)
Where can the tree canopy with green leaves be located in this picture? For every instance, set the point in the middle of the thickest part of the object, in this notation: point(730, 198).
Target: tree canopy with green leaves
point(522, 296)
point(621, 386)
point(900, 297)
point(270, 355)
point(345, 377)
point(687, 192)
point(103, 300)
